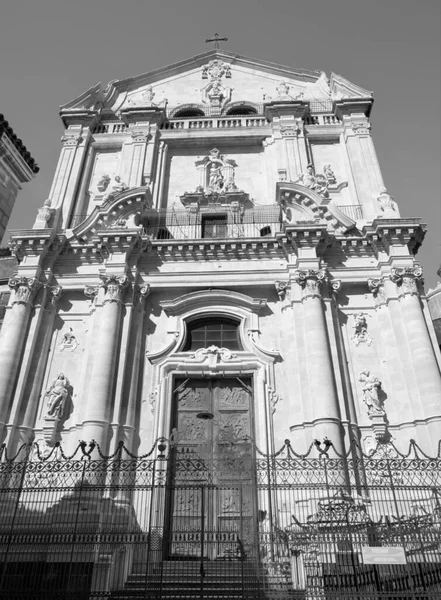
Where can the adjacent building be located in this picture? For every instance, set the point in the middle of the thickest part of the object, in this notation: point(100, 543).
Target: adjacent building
point(16, 167)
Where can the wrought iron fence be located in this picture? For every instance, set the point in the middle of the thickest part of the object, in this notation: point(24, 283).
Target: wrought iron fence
point(178, 524)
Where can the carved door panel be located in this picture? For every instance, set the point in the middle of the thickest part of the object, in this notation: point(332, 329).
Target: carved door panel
point(212, 479)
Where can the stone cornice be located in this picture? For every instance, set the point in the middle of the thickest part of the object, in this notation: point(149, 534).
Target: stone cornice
point(347, 107)
point(79, 116)
point(279, 109)
point(385, 233)
point(306, 235)
point(31, 242)
point(154, 115)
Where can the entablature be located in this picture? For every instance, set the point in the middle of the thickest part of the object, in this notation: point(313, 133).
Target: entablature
point(386, 234)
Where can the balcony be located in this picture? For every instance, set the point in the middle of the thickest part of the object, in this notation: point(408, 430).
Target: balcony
point(216, 222)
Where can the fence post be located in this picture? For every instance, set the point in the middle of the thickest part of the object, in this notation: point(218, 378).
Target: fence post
point(14, 514)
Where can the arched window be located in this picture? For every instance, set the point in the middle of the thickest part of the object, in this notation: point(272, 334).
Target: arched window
point(188, 113)
point(241, 109)
point(213, 331)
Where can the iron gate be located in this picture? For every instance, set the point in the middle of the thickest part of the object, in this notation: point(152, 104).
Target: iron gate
point(315, 526)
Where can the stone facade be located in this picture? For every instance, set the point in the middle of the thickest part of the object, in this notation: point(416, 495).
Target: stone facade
point(16, 167)
point(219, 187)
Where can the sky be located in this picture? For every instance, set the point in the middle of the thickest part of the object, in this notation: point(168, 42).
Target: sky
point(53, 50)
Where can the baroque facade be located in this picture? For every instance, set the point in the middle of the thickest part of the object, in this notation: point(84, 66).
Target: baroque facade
point(220, 267)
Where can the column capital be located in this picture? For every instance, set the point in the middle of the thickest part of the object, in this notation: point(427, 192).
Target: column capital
point(25, 289)
point(114, 286)
point(310, 282)
point(406, 280)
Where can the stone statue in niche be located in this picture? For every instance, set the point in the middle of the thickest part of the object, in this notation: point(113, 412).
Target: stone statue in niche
point(69, 341)
point(360, 330)
point(309, 179)
point(371, 386)
point(220, 173)
point(57, 394)
point(387, 203)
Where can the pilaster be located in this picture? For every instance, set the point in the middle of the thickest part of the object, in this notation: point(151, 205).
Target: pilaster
point(361, 152)
point(75, 142)
point(288, 131)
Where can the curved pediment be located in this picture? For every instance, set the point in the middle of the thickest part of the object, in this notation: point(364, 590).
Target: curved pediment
point(208, 299)
point(120, 211)
point(301, 204)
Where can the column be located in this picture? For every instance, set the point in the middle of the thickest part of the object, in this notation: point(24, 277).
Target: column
point(12, 339)
point(424, 361)
point(99, 404)
point(35, 355)
point(325, 408)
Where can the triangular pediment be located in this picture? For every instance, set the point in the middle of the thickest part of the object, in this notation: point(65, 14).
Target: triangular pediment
point(243, 79)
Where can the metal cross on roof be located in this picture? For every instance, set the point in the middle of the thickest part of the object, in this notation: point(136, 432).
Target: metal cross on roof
point(216, 39)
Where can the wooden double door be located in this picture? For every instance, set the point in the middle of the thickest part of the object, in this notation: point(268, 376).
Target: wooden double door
point(212, 480)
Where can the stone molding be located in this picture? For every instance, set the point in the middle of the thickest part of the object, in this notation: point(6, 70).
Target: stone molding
point(25, 289)
point(114, 286)
point(71, 138)
point(207, 298)
point(406, 279)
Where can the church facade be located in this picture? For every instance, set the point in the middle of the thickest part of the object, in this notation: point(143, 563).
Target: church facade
point(219, 272)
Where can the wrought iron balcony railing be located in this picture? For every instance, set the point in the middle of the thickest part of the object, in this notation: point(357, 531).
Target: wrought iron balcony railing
point(217, 222)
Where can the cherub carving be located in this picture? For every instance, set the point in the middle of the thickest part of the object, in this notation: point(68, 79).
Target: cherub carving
point(69, 340)
point(329, 174)
point(360, 329)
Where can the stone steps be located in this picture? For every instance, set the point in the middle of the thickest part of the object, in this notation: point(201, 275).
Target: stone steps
point(173, 580)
